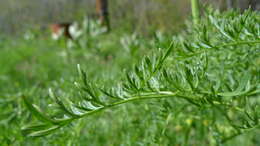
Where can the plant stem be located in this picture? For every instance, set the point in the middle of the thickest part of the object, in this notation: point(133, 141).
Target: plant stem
point(155, 95)
point(195, 11)
point(220, 46)
point(135, 98)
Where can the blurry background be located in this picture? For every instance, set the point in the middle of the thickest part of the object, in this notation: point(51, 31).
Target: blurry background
point(17, 16)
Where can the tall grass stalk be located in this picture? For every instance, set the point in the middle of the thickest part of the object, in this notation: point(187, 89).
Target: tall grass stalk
point(195, 11)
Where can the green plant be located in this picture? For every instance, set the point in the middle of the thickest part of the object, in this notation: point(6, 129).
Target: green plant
point(211, 71)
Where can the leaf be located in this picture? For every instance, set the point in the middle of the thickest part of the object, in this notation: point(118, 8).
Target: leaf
point(242, 84)
point(139, 73)
point(220, 28)
point(188, 47)
point(39, 130)
point(148, 63)
point(109, 94)
point(231, 94)
point(89, 106)
point(244, 80)
point(189, 77)
point(61, 104)
point(154, 84)
point(26, 130)
point(131, 80)
point(82, 108)
point(163, 58)
point(37, 112)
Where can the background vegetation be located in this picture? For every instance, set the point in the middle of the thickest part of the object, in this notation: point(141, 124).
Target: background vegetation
point(17, 16)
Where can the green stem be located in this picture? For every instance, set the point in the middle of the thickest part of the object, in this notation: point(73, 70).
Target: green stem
point(151, 96)
point(195, 11)
point(220, 46)
point(157, 95)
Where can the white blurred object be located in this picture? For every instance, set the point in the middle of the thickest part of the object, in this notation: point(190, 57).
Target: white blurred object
point(74, 30)
point(57, 35)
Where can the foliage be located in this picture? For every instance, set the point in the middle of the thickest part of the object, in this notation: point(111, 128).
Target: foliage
point(207, 80)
